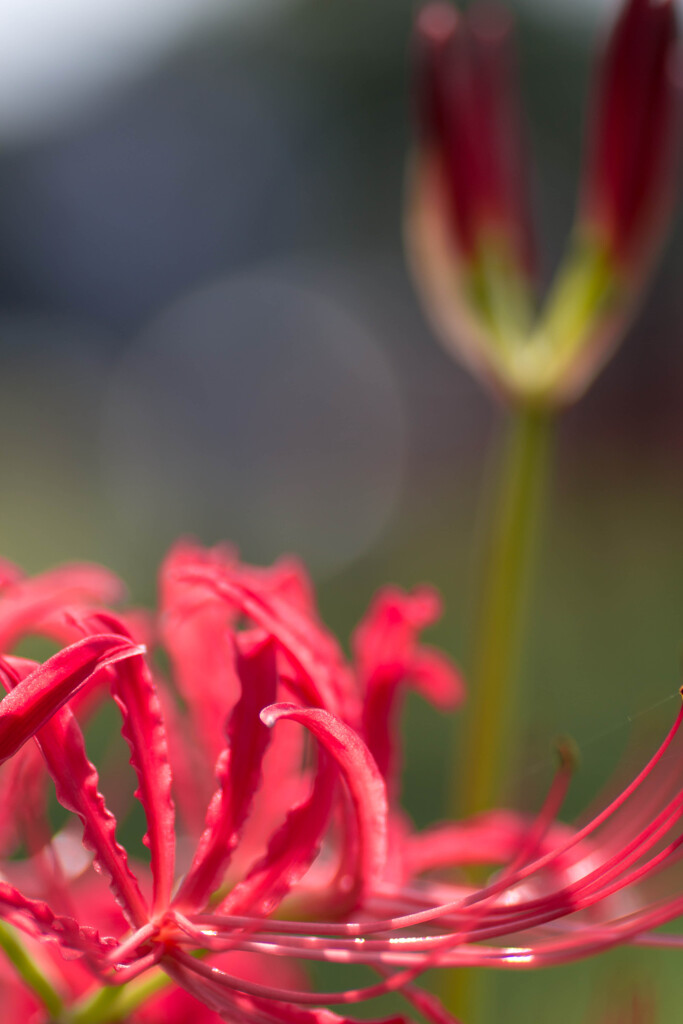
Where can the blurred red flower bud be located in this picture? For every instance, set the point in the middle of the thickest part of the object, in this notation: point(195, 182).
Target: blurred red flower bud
point(469, 121)
point(633, 133)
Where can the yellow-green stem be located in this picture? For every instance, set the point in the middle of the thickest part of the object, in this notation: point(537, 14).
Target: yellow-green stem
point(513, 524)
point(492, 716)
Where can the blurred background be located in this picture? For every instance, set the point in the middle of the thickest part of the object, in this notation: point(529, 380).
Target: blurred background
point(207, 327)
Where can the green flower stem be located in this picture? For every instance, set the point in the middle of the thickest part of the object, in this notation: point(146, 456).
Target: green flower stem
point(511, 531)
point(491, 724)
point(22, 961)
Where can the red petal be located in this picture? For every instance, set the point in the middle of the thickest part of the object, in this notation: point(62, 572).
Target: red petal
point(22, 801)
point(38, 696)
point(9, 573)
point(436, 677)
point(387, 655)
point(26, 603)
point(291, 851)
point(144, 731)
point(76, 781)
point(196, 631)
point(184, 755)
point(494, 837)
point(288, 580)
point(365, 784)
point(65, 930)
point(321, 675)
point(239, 774)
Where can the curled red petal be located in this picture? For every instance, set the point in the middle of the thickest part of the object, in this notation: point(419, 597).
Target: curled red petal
point(76, 784)
point(320, 673)
point(364, 782)
point(144, 730)
point(291, 851)
point(239, 773)
point(77, 787)
point(196, 631)
point(388, 654)
point(42, 693)
point(69, 935)
point(436, 677)
point(184, 756)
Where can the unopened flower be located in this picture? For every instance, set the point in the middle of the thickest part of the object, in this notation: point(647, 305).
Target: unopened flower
point(628, 173)
point(469, 235)
point(469, 230)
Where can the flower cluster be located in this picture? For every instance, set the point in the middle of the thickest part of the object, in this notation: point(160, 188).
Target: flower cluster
point(288, 842)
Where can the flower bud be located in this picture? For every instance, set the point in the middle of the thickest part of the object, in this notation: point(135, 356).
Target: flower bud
point(626, 196)
point(469, 225)
point(632, 143)
point(470, 122)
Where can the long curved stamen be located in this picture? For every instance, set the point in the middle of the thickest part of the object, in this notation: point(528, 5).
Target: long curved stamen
point(122, 975)
point(130, 945)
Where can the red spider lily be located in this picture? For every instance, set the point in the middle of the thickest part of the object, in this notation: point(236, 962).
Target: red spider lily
point(169, 1006)
point(351, 881)
point(285, 651)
